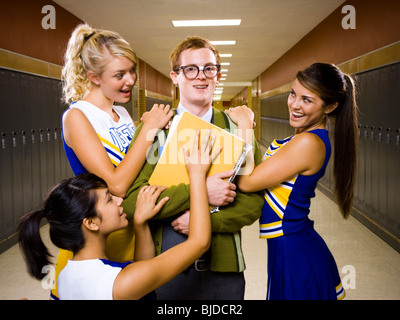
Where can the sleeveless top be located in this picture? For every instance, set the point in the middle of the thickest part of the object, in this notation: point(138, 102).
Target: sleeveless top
point(115, 136)
point(287, 205)
point(91, 280)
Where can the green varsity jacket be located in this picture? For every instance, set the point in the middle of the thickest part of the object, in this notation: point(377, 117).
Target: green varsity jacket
point(226, 250)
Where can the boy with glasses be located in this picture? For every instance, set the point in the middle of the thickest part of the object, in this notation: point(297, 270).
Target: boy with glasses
point(218, 275)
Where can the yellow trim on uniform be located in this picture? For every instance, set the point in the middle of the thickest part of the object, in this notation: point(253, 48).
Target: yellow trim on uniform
point(272, 224)
point(272, 235)
point(111, 145)
point(343, 291)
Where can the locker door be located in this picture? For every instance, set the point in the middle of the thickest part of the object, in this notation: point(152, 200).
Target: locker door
point(374, 172)
point(48, 134)
point(357, 184)
point(382, 176)
point(15, 117)
point(25, 145)
point(396, 206)
point(392, 179)
point(40, 103)
point(17, 175)
point(55, 129)
point(27, 185)
point(4, 181)
point(35, 160)
point(6, 186)
point(33, 136)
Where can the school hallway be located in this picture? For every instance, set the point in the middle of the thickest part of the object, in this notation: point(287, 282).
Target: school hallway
point(368, 266)
point(260, 55)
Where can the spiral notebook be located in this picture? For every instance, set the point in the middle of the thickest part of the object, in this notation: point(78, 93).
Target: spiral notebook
point(171, 170)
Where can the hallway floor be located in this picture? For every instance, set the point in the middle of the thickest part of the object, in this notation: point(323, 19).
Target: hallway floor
point(369, 268)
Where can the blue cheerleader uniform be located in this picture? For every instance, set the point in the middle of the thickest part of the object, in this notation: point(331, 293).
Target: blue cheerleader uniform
point(300, 265)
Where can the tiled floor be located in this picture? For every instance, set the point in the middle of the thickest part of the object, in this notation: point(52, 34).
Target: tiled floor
point(370, 269)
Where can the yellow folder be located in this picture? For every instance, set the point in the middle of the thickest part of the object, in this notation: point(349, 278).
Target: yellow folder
point(171, 170)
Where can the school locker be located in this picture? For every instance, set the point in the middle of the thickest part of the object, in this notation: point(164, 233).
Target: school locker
point(32, 158)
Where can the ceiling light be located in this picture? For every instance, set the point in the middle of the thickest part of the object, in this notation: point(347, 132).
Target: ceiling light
point(225, 63)
point(224, 70)
point(223, 42)
point(225, 55)
point(206, 23)
point(222, 79)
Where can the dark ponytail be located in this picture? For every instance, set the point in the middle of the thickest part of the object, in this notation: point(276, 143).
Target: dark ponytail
point(31, 244)
point(346, 139)
point(64, 208)
point(333, 86)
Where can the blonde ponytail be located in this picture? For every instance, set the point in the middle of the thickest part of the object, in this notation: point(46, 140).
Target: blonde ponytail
point(88, 49)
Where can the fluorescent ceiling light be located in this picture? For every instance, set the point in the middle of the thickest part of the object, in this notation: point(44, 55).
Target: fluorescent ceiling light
point(222, 79)
point(224, 70)
point(238, 84)
point(223, 42)
point(225, 63)
point(225, 55)
point(206, 23)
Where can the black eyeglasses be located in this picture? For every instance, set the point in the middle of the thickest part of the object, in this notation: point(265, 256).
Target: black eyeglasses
point(191, 72)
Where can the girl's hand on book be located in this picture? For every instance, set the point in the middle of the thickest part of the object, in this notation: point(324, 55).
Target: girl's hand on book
point(146, 206)
point(201, 158)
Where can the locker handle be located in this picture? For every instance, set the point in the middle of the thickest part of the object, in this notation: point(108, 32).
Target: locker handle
point(14, 138)
point(365, 132)
point(388, 135)
point(3, 140)
point(23, 133)
point(33, 136)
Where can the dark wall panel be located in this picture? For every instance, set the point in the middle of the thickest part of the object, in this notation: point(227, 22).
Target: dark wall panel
point(32, 158)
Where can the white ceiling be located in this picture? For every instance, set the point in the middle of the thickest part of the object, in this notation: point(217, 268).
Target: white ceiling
point(269, 28)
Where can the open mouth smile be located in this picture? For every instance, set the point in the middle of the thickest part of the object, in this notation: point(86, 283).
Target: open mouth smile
point(297, 115)
point(126, 92)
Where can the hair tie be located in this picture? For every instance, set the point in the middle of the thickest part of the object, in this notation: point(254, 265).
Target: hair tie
point(88, 37)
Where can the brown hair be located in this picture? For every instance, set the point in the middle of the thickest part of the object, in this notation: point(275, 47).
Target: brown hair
point(191, 43)
point(333, 86)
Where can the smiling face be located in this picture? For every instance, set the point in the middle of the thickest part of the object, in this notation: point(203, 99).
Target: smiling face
point(196, 95)
point(110, 213)
point(306, 109)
